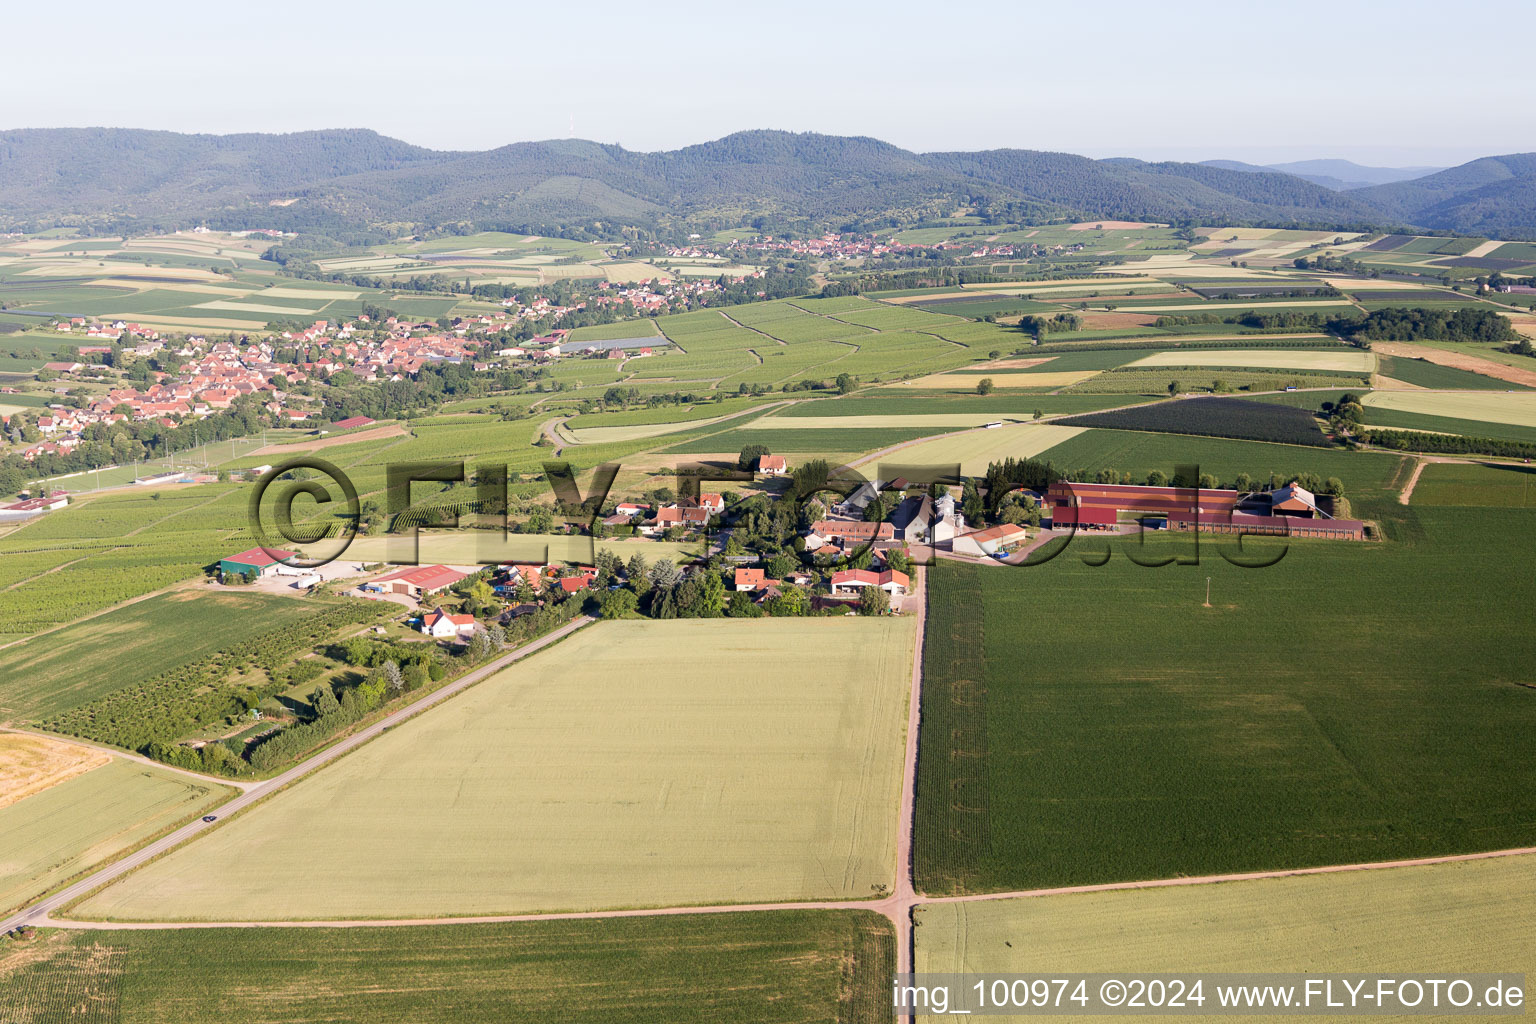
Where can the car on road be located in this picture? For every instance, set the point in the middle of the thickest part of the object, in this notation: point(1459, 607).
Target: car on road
point(210, 817)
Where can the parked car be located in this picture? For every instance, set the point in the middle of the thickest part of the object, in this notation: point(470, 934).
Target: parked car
point(210, 817)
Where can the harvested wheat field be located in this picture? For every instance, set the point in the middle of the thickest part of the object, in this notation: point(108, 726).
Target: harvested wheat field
point(638, 763)
point(30, 764)
point(1459, 360)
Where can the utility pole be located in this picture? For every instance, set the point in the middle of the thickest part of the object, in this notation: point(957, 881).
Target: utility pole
point(1207, 591)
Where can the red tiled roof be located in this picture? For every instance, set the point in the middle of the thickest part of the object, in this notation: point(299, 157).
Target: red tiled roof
point(427, 577)
point(259, 558)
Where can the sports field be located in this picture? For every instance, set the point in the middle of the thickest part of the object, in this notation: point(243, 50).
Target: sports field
point(1121, 730)
point(639, 763)
point(1517, 408)
point(63, 669)
point(87, 820)
point(1471, 916)
point(782, 967)
point(1349, 360)
point(975, 449)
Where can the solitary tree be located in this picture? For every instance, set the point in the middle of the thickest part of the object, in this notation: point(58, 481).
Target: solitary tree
point(984, 386)
point(1173, 387)
point(873, 601)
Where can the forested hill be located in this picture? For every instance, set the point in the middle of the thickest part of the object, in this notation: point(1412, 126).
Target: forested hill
point(347, 180)
point(1494, 195)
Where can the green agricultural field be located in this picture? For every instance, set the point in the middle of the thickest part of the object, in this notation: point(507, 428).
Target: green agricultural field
point(1161, 382)
point(1425, 374)
point(468, 547)
point(781, 967)
point(1368, 477)
point(638, 763)
point(1461, 918)
point(1449, 425)
point(703, 409)
point(1093, 723)
point(623, 329)
point(1443, 483)
point(52, 673)
point(825, 441)
point(885, 403)
point(85, 821)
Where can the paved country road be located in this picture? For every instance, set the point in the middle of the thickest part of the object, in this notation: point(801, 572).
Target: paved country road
point(38, 912)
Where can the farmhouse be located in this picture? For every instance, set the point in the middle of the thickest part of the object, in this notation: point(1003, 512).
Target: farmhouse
point(922, 519)
point(851, 581)
point(669, 516)
point(438, 623)
point(748, 580)
point(416, 581)
point(980, 543)
point(1290, 511)
point(714, 504)
point(773, 465)
point(847, 531)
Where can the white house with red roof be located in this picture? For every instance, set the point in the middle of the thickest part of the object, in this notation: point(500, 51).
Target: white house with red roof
point(851, 581)
point(442, 626)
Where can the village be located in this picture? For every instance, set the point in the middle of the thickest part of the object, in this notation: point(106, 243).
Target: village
point(210, 375)
point(854, 556)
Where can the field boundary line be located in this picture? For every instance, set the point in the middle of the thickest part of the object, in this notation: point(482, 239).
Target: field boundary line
point(1243, 876)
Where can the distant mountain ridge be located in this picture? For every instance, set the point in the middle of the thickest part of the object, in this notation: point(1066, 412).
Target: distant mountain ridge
point(347, 179)
point(1339, 175)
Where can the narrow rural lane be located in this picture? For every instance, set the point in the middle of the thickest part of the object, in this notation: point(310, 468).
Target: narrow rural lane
point(38, 912)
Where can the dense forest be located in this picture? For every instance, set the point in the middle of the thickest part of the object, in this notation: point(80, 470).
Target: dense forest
point(351, 183)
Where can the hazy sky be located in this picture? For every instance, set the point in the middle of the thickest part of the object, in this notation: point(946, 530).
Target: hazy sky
point(1391, 81)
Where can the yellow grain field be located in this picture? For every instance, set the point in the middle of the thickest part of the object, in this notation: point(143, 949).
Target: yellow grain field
point(638, 763)
point(1513, 407)
point(1461, 917)
point(65, 829)
point(1351, 360)
point(976, 449)
point(30, 764)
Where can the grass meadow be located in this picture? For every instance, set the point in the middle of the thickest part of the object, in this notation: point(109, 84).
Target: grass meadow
point(1354, 702)
point(638, 763)
point(780, 967)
